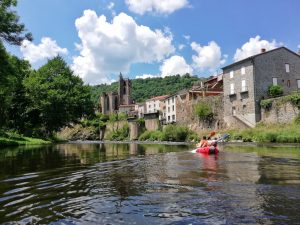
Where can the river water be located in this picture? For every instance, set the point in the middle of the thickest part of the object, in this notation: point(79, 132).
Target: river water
point(149, 184)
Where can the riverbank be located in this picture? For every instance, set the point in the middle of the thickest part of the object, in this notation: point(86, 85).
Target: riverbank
point(13, 139)
point(131, 142)
point(275, 133)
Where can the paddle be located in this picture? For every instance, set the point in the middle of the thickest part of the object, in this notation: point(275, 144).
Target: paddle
point(224, 137)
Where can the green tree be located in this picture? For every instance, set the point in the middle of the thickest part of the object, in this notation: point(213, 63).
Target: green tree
point(204, 111)
point(56, 97)
point(12, 97)
point(11, 30)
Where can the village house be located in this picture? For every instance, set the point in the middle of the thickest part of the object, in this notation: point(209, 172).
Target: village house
point(169, 113)
point(155, 104)
point(139, 108)
point(246, 83)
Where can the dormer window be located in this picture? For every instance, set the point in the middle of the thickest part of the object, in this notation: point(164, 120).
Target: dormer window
point(287, 67)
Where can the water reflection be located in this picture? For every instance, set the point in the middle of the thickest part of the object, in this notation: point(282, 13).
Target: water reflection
point(148, 184)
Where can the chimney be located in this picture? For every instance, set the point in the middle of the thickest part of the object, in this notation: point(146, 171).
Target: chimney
point(263, 50)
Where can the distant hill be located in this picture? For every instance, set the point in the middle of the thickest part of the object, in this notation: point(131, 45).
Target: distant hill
point(143, 89)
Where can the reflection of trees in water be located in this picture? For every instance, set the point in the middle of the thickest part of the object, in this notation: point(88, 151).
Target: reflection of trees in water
point(22, 160)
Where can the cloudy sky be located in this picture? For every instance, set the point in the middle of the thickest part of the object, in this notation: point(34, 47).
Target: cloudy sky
point(148, 38)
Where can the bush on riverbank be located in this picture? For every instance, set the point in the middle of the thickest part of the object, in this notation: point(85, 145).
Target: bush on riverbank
point(170, 133)
point(14, 139)
point(281, 133)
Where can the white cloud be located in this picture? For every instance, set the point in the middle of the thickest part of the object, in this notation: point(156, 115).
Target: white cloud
point(208, 57)
point(181, 46)
point(109, 48)
point(48, 48)
point(298, 46)
point(110, 5)
point(145, 76)
point(187, 37)
point(159, 6)
point(175, 65)
point(253, 47)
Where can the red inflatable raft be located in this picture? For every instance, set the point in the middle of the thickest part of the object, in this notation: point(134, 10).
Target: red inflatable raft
point(208, 150)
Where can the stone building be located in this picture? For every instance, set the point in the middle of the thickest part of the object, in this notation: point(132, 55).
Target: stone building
point(111, 102)
point(246, 82)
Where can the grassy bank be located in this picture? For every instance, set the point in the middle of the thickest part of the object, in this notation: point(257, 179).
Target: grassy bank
point(280, 133)
point(13, 139)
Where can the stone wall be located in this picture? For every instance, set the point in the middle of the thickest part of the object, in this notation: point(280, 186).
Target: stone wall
point(152, 124)
point(280, 112)
point(186, 116)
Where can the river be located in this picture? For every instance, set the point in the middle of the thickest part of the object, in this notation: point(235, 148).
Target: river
point(149, 184)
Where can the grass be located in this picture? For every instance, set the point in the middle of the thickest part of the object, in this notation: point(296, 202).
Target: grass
point(279, 133)
point(14, 139)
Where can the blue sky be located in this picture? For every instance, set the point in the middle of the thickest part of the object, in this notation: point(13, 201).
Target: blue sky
point(144, 38)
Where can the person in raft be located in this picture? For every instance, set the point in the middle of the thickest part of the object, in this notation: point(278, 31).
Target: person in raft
point(203, 143)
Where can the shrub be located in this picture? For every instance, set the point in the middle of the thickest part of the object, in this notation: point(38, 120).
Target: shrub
point(266, 104)
point(175, 133)
point(120, 134)
point(204, 111)
point(275, 91)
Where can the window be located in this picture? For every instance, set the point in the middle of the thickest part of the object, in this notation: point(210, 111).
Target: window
point(287, 67)
point(173, 117)
point(244, 109)
point(231, 74)
point(168, 109)
point(274, 80)
point(288, 83)
point(244, 87)
point(173, 108)
point(243, 70)
point(298, 83)
point(231, 89)
point(173, 100)
point(168, 118)
point(233, 111)
point(168, 101)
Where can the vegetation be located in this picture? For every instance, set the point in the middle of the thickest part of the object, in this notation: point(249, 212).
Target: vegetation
point(11, 30)
point(204, 111)
point(35, 103)
point(281, 133)
point(143, 89)
point(266, 104)
point(275, 91)
point(14, 139)
point(170, 133)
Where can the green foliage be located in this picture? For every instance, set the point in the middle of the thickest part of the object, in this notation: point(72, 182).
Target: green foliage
point(266, 104)
point(152, 136)
point(297, 119)
point(120, 134)
point(12, 94)
point(143, 89)
point(169, 133)
point(269, 133)
point(11, 29)
point(57, 97)
point(275, 91)
point(14, 139)
point(204, 111)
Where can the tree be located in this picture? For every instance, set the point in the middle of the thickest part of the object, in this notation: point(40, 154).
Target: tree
point(204, 112)
point(12, 72)
point(11, 30)
point(57, 97)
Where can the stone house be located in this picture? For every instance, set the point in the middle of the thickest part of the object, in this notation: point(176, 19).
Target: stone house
point(246, 82)
point(155, 104)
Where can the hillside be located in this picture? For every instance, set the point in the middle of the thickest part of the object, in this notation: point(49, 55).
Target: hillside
point(143, 89)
